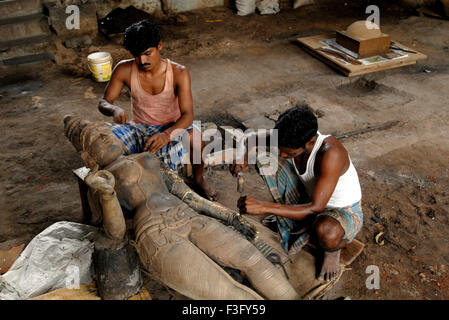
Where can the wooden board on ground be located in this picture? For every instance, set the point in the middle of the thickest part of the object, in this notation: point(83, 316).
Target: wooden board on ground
point(312, 44)
point(7, 258)
point(348, 254)
point(85, 292)
point(351, 251)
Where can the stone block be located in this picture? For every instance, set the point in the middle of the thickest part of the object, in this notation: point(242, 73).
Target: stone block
point(260, 122)
point(327, 111)
point(88, 20)
point(260, 113)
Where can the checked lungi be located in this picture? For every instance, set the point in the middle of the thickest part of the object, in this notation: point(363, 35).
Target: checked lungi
point(286, 188)
point(134, 136)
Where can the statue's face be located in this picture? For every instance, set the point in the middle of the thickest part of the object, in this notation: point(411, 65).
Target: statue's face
point(100, 147)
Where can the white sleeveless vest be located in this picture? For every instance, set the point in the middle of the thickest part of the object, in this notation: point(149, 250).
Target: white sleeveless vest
point(347, 191)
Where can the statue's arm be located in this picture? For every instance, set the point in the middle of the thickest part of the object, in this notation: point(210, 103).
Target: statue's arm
point(177, 187)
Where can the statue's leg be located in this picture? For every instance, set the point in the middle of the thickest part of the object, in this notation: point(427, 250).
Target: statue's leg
point(171, 258)
point(231, 249)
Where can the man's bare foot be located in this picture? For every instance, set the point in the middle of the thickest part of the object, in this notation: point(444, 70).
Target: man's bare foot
point(208, 191)
point(331, 266)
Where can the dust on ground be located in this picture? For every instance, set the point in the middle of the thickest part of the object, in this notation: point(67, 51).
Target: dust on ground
point(403, 170)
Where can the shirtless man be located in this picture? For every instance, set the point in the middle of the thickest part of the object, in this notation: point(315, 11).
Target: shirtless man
point(322, 165)
point(162, 104)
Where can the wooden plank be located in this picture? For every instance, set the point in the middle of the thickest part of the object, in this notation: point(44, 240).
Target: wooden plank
point(328, 61)
point(348, 254)
point(85, 292)
point(380, 67)
point(351, 251)
point(7, 258)
point(311, 44)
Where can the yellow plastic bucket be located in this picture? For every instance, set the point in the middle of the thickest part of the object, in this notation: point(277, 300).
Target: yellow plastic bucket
point(100, 64)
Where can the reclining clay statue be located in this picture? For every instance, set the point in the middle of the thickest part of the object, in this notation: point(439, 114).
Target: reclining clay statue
point(184, 246)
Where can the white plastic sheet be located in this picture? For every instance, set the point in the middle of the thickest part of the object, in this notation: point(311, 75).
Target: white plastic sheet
point(58, 257)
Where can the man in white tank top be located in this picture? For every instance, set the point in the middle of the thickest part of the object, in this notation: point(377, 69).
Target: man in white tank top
point(316, 185)
point(162, 104)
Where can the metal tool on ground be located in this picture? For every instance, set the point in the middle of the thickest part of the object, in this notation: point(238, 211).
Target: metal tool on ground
point(396, 47)
point(384, 126)
point(240, 182)
point(340, 55)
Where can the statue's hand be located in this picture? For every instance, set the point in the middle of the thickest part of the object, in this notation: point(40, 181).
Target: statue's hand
point(103, 181)
point(244, 227)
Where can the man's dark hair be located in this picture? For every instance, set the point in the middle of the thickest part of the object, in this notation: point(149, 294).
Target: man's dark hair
point(140, 36)
point(296, 127)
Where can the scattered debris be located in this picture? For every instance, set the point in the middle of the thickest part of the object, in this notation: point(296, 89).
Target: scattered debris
point(274, 115)
point(89, 93)
point(76, 80)
point(181, 18)
point(379, 239)
point(427, 12)
point(36, 100)
point(302, 3)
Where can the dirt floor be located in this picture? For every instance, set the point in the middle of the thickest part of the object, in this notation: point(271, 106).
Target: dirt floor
point(241, 60)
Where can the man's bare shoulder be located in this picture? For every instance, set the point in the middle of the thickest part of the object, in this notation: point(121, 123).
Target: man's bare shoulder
point(122, 71)
point(332, 143)
point(332, 150)
point(124, 65)
point(179, 71)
